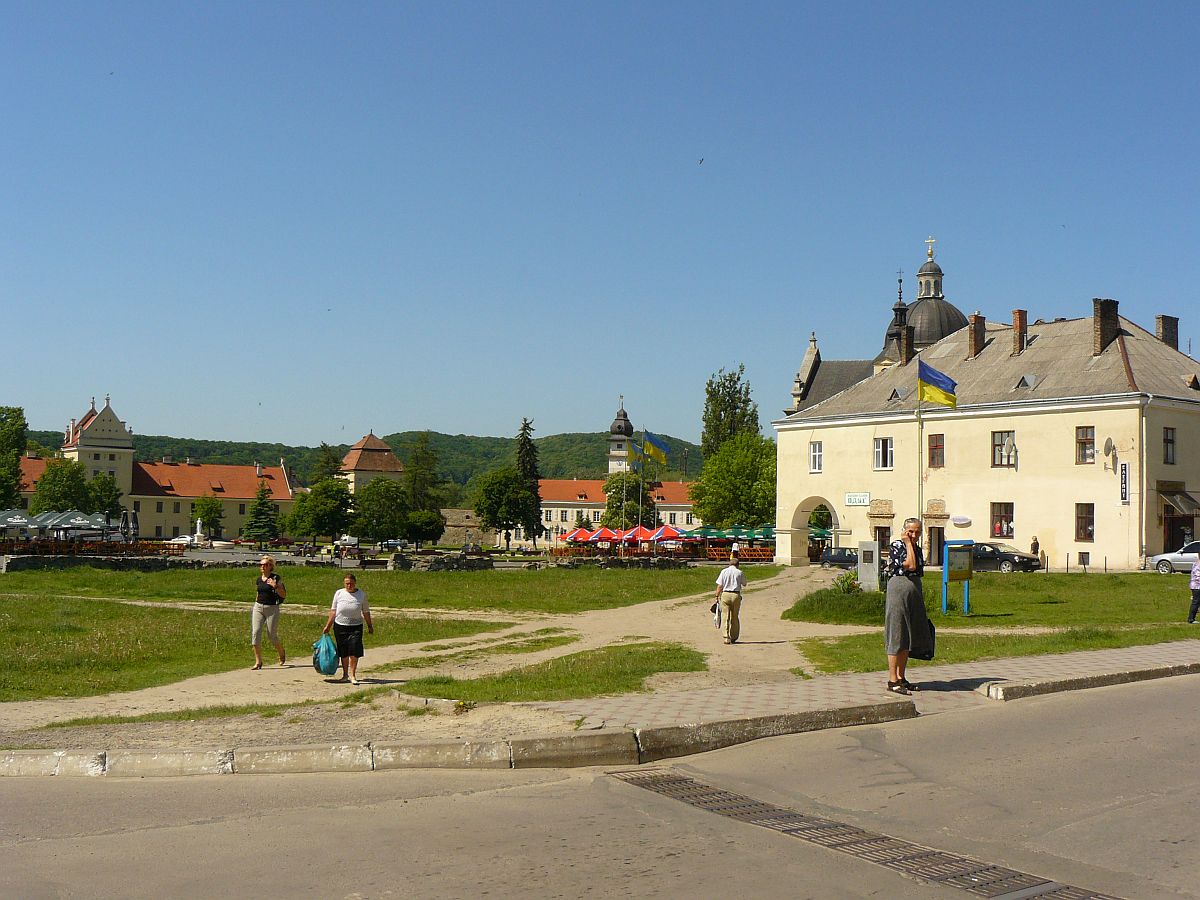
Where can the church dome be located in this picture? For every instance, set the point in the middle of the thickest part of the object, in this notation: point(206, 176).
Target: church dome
point(932, 318)
point(621, 424)
point(930, 268)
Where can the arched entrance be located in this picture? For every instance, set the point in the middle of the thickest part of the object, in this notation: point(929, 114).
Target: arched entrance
point(792, 540)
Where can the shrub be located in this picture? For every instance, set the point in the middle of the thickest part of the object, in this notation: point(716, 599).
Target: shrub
point(847, 583)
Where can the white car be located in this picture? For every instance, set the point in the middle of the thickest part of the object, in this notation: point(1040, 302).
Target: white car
point(186, 539)
point(1180, 560)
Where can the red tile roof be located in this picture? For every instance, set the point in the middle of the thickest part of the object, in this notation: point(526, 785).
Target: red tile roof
point(371, 455)
point(31, 470)
point(591, 490)
point(197, 479)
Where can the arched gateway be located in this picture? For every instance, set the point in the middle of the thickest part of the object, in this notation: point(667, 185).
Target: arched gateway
point(791, 534)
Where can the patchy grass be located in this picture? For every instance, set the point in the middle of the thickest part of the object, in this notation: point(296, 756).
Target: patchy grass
point(864, 652)
point(1021, 600)
point(607, 670)
point(79, 648)
point(544, 590)
point(530, 645)
point(453, 645)
point(264, 710)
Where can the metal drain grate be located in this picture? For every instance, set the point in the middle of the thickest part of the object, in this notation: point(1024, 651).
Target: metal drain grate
point(949, 869)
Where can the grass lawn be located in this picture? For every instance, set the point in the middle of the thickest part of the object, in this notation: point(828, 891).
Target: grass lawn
point(1020, 600)
point(78, 648)
point(617, 669)
point(544, 590)
point(532, 644)
point(864, 652)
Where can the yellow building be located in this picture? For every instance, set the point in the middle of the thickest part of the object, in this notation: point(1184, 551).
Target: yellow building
point(1084, 433)
point(369, 459)
point(162, 493)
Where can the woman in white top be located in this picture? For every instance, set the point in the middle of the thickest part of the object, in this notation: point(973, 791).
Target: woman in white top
point(346, 617)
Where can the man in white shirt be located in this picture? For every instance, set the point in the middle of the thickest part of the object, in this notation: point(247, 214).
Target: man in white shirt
point(730, 584)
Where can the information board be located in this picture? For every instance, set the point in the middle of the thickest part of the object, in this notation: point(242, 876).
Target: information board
point(958, 563)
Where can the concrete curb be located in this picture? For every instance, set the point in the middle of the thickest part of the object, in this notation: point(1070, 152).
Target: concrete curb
point(1016, 690)
point(617, 747)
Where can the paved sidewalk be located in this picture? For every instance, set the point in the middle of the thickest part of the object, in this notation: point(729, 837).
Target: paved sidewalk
point(943, 687)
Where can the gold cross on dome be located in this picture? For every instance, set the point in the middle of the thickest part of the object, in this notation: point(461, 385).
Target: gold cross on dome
point(930, 241)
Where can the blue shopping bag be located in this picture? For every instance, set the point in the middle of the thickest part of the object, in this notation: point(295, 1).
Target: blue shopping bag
point(325, 658)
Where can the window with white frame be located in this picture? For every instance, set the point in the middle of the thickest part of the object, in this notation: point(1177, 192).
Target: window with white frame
point(689, 519)
point(548, 515)
point(596, 515)
point(816, 456)
point(671, 518)
point(562, 515)
point(883, 453)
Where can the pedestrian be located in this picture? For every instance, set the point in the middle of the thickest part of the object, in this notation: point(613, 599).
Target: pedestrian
point(1194, 584)
point(271, 594)
point(730, 584)
point(347, 615)
point(1035, 548)
point(905, 624)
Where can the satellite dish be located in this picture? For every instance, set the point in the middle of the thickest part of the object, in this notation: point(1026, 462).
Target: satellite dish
point(1108, 447)
point(1010, 446)
point(961, 521)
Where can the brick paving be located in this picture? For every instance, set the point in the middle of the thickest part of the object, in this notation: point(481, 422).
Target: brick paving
point(944, 687)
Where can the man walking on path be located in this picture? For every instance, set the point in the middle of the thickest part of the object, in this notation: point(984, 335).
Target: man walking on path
point(730, 583)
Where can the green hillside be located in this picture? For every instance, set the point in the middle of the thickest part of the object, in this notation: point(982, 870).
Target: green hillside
point(461, 457)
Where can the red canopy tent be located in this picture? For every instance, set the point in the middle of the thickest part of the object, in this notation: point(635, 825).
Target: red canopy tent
point(641, 533)
point(665, 533)
point(579, 534)
point(604, 534)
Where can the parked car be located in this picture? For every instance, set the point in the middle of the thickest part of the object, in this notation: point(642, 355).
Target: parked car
point(1180, 560)
point(839, 558)
point(991, 556)
point(187, 540)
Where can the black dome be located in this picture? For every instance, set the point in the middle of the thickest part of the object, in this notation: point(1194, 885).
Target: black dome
point(932, 318)
point(621, 424)
point(930, 268)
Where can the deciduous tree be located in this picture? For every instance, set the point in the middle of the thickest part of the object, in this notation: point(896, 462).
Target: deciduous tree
point(503, 501)
point(63, 486)
point(209, 510)
point(737, 485)
point(104, 496)
point(13, 440)
point(330, 508)
point(630, 501)
point(425, 525)
point(421, 478)
point(728, 410)
point(328, 464)
point(381, 510)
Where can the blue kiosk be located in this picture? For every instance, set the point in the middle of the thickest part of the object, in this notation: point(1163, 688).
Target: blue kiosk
point(956, 566)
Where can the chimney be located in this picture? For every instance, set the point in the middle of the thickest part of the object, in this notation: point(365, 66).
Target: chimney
point(1105, 324)
point(1166, 329)
point(167, 460)
point(907, 336)
point(258, 468)
point(1020, 330)
point(976, 334)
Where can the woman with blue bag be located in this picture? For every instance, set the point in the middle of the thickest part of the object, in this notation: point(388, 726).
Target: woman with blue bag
point(347, 615)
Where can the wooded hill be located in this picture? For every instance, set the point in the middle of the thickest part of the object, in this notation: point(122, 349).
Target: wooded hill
point(461, 457)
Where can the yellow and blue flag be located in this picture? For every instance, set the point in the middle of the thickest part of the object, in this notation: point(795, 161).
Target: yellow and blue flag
point(656, 447)
point(636, 456)
point(935, 386)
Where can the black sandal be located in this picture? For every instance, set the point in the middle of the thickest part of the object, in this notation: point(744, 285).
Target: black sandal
point(908, 684)
point(897, 687)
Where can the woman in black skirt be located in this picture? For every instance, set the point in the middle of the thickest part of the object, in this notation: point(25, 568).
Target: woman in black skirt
point(905, 624)
point(347, 615)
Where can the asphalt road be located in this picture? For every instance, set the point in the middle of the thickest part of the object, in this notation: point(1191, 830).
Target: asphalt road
point(1095, 789)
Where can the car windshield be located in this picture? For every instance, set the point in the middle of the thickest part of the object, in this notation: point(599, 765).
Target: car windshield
point(1007, 548)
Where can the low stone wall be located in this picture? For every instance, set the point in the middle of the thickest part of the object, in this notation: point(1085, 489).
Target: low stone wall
point(118, 563)
point(440, 563)
point(612, 562)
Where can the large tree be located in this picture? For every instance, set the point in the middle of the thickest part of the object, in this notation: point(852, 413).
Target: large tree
point(737, 486)
point(104, 496)
point(629, 501)
point(728, 410)
point(503, 501)
point(330, 508)
point(424, 525)
point(63, 486)
point(381, 508)
point(262, 523)
point(421, 478)
point(210, 511)
point(13, 439)
point(527, 466)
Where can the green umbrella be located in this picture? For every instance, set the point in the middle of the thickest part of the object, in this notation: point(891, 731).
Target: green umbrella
point(705, 531)
point(821, 534)
point(762, 533)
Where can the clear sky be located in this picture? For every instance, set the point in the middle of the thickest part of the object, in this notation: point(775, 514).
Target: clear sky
point(298, 221)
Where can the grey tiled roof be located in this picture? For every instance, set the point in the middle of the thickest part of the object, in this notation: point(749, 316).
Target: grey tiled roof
point(1057, 364)
point(834, 376)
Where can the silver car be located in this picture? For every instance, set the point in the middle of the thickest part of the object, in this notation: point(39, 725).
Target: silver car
point(1180, 560)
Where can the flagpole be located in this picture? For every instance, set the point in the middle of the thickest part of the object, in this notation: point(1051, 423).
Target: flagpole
point(920, 460)
point(642, 480)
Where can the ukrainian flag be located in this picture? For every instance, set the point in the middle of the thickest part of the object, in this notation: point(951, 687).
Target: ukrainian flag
point(656, 447)
point(636, 456)
point(935, 386)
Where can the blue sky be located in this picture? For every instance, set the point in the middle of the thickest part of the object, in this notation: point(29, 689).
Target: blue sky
point(297, 221)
